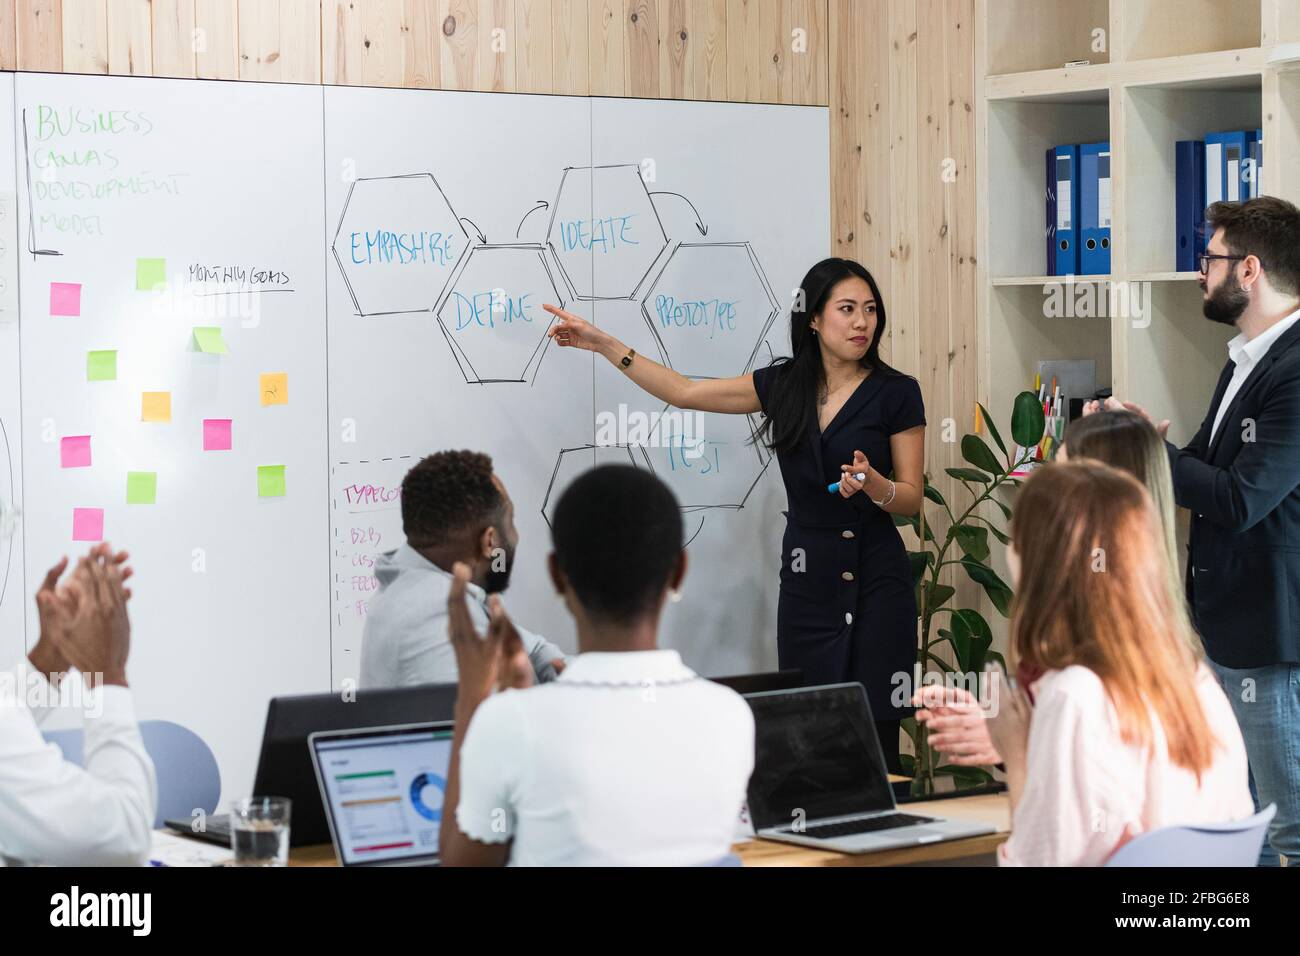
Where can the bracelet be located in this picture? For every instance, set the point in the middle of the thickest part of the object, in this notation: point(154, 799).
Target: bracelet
point(893, 489)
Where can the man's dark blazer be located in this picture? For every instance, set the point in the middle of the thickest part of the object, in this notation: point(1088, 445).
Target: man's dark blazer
point(1243, 488)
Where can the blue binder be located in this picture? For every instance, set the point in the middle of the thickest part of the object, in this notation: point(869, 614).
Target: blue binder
point(1255, 154)
point(1189, 204)
point(1225, 155)
point(1062, 210)
point(1094, 208)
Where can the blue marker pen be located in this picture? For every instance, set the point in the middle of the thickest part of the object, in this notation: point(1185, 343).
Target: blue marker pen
point(834, 487)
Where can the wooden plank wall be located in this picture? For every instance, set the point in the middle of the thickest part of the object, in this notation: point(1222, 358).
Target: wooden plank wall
point(897, 75)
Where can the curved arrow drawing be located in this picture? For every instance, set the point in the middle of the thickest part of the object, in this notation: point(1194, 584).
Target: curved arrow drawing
point(541, 204)
point(477, 230)
point(699, 222)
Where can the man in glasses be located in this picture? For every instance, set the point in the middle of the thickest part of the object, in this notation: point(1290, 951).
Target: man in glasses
point(1240, 476)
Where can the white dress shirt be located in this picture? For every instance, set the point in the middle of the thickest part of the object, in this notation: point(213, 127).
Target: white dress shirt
point(627, 759)
point(1246, 353)
point(52, 811)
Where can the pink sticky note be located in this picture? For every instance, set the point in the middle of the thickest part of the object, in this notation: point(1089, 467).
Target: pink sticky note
point(65, 298)
point(216, 434)
point(87, 524)
point(75, 451)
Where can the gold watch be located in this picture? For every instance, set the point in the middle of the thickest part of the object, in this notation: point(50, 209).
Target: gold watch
point(626, 361)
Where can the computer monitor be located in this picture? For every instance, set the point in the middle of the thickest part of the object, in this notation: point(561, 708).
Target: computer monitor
point(758, 683)
point(382, 790)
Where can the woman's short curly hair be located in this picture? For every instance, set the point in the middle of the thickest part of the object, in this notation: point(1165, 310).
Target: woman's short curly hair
point(446, 493)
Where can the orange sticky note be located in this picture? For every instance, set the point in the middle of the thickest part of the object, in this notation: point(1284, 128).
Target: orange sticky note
point(275, 388)
point(156, 407)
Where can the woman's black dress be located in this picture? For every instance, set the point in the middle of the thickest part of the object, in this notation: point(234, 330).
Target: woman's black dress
point(847, 608)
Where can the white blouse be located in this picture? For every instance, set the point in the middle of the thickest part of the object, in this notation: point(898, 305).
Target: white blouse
point(1084, 784)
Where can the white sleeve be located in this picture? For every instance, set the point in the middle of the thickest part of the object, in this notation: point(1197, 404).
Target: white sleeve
point(52, 811)
point(491, 761)
point(1075, 803)
point(541, 654)
point(425, 655)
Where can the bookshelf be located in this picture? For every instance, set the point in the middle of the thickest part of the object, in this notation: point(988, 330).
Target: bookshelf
point(1169, 70)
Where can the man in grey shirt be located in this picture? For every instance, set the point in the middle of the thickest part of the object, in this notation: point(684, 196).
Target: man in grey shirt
point(453, 509)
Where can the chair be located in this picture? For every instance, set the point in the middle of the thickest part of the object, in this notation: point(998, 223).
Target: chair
point(188, 776)
point(1206, 844)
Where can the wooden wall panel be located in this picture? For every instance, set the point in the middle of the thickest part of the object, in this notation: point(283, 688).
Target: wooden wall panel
point(497, 43)
point(641, 48)
point(808, 66)
point(173, 38)
point(216, 39)
point(676, 48)
point(39, 35)
point(343, 42)
point(710, 49)
point(534, 53)
point(85, 38)
point(607, 37)
point(8, 36)
point(571, 47)
point(130, 37)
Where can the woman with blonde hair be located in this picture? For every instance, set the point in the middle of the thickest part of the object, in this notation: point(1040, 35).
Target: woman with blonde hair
point(1116, 726)
point(1123, 440)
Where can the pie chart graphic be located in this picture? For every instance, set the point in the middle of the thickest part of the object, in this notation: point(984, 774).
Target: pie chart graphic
point(418, 788)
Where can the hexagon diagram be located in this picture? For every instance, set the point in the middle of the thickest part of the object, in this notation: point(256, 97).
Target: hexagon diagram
point(572, 462)
point(492, 314)
point(397, 244)
point(709, 460)
point(710, 308)
point(605, 232)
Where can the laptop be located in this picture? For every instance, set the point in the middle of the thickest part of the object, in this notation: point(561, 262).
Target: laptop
point(382, 788)
point(819, 776)
point(284, 767)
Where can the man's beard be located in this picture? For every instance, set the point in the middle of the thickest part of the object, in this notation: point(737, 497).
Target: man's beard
point(1226, 303)
point(498, 581)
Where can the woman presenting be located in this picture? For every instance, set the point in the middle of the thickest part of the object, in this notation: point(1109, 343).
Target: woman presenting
point(834, 411)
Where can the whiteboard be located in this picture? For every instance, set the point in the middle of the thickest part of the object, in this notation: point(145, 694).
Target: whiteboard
point(387, 252)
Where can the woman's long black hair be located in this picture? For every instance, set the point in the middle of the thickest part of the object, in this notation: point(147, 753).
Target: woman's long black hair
point(792, 396)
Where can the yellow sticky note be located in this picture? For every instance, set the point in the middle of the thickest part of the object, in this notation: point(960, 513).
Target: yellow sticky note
point(275, 388)
point(156, 407)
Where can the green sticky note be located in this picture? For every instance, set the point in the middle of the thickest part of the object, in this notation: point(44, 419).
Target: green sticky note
point(150, 273)
point(101, 366)
point(208, 339)
point(141, 487)
point(270, 481)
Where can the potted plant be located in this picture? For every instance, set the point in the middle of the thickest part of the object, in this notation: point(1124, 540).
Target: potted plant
point(957, 642)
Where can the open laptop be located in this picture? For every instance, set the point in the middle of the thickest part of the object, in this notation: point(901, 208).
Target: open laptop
point(767, 680)
point(383, 789)
point(819, 776)
point(284, 765)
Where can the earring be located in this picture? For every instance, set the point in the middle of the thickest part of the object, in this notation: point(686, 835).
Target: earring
point(674, 595)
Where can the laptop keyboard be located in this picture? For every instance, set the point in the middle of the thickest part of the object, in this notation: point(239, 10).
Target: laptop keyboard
point(892, 821)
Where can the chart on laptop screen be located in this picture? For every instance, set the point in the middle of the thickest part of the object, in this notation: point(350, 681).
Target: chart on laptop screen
point(385, 795)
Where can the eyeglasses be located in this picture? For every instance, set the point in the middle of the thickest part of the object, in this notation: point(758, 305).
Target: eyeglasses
point(1205, 261)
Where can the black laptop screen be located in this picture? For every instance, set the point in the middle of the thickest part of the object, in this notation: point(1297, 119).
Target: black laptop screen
point(816, 756)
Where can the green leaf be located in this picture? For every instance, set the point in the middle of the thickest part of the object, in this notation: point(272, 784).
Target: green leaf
point(937, 595)
point(977, 453)
point(995, 656)
point(993, 430)
point(973, 540)
point(1006, 512)
point(965, 778)
point(920, 560)
point(913, 522)
point(908, 763)
point(972, 638)
point(993, 585)
point(1027, 420)
point(969, 474)
point(999, 534)
point(932, 493)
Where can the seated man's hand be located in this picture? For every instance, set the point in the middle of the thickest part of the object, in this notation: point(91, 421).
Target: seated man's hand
point(484, 662)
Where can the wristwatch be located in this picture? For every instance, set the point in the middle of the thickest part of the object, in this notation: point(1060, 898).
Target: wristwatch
point(626, 361)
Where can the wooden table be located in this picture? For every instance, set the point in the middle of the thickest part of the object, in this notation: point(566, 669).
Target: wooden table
point(986, 808)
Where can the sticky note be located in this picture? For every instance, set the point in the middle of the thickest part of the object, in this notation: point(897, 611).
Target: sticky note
point(208, 339)
point(101, 366)
point(216, 434)
point(74, 451)
point(141, 487)
point(156, 407)
point(270, 481)
point(65, 298)
point(149, 274)
point(275, 388)
point(87, 524)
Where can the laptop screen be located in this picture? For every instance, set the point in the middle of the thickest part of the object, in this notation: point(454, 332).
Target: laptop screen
point(816, 756)
point(383, 790)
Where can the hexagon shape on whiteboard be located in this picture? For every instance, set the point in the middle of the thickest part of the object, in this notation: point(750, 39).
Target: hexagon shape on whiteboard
point(709, 460)
point(492, 314)
point(710, 308)
point(572, 462)
point(397, 244)
point(605, 232)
